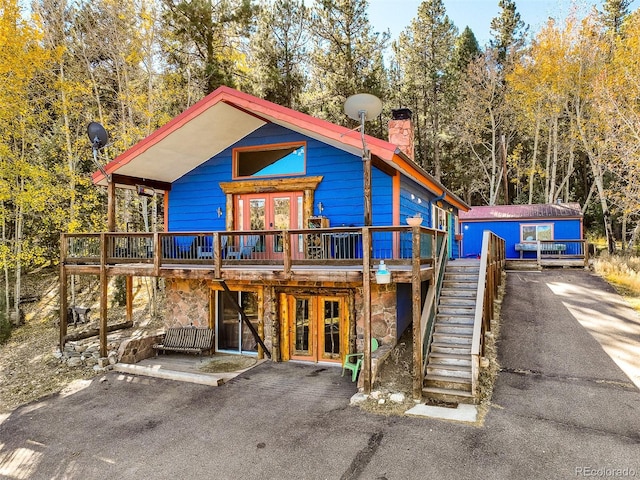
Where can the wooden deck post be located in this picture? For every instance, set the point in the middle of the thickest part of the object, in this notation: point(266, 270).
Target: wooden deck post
point(129, 295)
point(104, 290)
point(63, 291)
point(366, 308)
point(416, 307)
point(111, 205)
point(367, 188)
point(286, 253)
point(217, 255)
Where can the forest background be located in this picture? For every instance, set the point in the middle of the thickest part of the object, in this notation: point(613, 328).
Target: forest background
point(528, 118)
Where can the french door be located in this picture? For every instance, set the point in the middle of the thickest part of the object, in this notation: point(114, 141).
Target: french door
point(317, 328)
point(273, 211)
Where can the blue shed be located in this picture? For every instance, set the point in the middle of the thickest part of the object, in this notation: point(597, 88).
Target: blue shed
point(558, 225)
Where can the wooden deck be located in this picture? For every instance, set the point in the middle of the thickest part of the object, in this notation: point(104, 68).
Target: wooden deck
point(318, 255)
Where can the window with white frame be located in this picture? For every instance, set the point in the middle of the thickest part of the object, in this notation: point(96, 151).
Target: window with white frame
point(533, 232)
point(439, 218)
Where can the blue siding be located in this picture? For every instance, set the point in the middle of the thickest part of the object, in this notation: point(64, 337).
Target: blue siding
point(510, 230)
point(195, 197)
point(418, 204)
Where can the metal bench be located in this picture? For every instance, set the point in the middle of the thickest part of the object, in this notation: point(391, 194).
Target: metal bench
point(187, 340)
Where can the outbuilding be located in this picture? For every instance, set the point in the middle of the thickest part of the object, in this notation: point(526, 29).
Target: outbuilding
point(553, 228)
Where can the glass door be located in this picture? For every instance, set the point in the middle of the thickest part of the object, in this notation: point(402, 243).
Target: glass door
point(232, 334)
point(317, 328)
point(274, 211)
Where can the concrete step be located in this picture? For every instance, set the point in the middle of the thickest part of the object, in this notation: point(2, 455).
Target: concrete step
point(456, 371)
point(450, 359)
point(444, 347)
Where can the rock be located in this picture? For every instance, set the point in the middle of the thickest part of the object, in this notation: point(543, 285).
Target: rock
point(74, 362)
point(80, 348)
point(484, 362)
point(103, 362)
point(113, 358)
point(397, 397)
point(103, 379)
point(381, 401)
point(89, 361)
point(98, 368)
point(358, 398)
point(58, 354)
point(375, 394)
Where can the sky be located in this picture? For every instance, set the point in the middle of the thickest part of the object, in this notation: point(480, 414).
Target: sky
point(396, 15)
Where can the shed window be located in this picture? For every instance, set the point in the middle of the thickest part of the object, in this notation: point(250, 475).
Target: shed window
point(271, 161)
point(533, 233)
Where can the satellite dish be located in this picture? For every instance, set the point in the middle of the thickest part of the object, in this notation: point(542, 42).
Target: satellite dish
point(98, 135)
point(363, 103)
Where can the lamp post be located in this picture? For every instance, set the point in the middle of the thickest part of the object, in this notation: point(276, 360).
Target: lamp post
point(364, 107)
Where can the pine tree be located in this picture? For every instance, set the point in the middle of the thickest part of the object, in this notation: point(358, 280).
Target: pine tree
point(279, 51)
point(508, 32)
point(423, 54)
point(614, 13)
point(347, 57)
point(205, 38)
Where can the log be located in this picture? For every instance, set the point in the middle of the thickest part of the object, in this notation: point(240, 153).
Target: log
point(92, 332)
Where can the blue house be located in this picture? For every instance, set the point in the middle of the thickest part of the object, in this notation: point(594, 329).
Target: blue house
point(557, 229)
point(284, 212)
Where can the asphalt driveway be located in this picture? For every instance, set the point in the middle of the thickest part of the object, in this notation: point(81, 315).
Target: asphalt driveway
point(563, 408)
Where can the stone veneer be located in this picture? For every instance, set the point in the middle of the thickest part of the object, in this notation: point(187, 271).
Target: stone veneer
point(187, 303)
point(383, 315)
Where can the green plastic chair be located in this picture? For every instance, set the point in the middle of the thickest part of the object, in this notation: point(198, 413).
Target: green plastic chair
point(353, 361)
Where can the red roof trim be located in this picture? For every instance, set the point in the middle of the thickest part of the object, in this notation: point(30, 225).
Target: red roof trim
point(264, 110)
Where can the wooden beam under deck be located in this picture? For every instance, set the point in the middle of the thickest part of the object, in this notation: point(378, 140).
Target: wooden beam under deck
point(273, 274)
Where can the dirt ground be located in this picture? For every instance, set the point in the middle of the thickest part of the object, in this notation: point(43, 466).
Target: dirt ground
point(29, 367)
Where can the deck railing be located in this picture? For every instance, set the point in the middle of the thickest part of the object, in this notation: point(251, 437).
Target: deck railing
point(492, 262)
point(330, 246)
point(430, 310)
point(562, 250)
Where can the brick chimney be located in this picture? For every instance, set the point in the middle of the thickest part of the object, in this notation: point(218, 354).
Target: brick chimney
point(401, 131)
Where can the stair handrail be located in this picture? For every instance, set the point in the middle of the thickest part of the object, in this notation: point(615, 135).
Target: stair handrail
point(492, 261)
point(430, 309)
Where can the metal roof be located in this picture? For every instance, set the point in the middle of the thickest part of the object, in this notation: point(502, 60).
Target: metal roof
point(508, 212)
point(224, 117)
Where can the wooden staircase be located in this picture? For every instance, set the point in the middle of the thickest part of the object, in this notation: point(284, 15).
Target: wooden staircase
point(448, 373)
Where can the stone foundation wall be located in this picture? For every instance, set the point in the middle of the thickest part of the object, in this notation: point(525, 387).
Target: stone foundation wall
point(383, 315)
point(187, 303)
